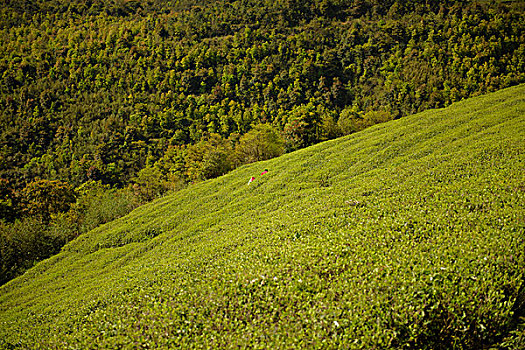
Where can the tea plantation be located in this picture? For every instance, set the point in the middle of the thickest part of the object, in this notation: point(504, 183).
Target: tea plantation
point(409, 234)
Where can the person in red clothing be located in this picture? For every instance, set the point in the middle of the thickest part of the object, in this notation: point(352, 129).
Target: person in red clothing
point(253, 177)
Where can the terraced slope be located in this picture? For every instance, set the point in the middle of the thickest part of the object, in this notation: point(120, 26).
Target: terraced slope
point(409, 234)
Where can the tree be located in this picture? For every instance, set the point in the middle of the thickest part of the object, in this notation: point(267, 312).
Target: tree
point(261, 143)
point(23, 243)
point(172, 165)
point(304, 126)
point(43, 198)
point(209, 158)
point(7, 201)
point(150, 183)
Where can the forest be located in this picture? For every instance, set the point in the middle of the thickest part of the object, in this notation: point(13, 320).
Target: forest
point(105, 105)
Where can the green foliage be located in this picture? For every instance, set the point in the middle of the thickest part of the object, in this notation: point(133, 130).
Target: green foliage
point(127, 100)
point(303, 126)
point(150, 184)
point(209, 158)
point(23, 244)
point(98, 204)
point(26, 241)
point(43, 198)
point(408, 234)
point(7, 207)
point(516, 339)
point(263, 142)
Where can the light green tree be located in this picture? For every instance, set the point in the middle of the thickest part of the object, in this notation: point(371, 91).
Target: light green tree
point(261, 143)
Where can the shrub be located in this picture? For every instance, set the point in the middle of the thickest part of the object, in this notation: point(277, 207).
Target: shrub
point(150, 184)
point(23, 243)
point(209, 158)
point(42, 198)
point(261, 143)
point(105, 207)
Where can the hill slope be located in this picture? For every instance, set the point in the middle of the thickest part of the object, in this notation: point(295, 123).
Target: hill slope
point(410, 233)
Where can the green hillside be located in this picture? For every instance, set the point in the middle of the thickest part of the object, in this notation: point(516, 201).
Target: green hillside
point(409, 234)
point(129, 99)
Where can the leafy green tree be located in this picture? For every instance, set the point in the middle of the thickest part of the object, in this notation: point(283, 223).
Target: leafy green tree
point(304, 126)
point(149, 184)
point(23, 243)
point(7, 201)
point(209, 158)
point(172, 165)
point(346, 122)
point(261, 143)
point(374, 117)
point(43, 198)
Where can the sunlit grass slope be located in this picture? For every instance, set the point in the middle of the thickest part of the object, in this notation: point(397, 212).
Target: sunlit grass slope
point(409, 234)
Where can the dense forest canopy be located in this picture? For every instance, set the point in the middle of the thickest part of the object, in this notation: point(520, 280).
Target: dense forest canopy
point(152, 95)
